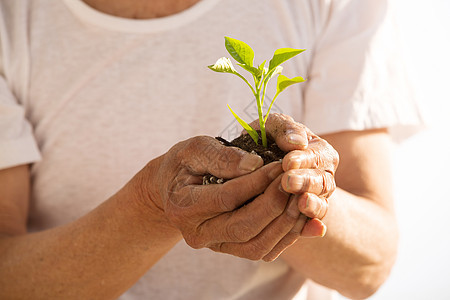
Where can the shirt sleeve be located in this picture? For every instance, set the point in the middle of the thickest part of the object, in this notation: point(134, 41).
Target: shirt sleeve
point(17, 144)
point(357, 80)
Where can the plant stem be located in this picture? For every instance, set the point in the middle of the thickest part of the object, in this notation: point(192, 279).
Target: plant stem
point(262, 125)
point(264, 89)
point(263, 133)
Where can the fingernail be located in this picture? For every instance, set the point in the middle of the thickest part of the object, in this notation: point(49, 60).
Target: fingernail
point(312, 232)
point(324, 230)
point(294, 183)
point(312, 205)
point(250, 162)
point(296, 139)
point(280, 187)
point(294, 163)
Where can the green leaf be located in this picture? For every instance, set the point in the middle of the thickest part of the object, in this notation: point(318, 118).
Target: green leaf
point(283, 82)
point(270, 74)
point(252, 132)
point(223, 65)
point(261, 66)
point(254, 71)
point(276, 71)
point(281, 55)
point(240, 51)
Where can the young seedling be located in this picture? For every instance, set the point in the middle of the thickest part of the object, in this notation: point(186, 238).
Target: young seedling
point(244, 55)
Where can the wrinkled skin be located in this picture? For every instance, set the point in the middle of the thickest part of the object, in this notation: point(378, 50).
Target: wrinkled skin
point(291, 196)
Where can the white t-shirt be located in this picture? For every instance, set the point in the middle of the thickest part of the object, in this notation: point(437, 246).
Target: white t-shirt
point(89, 98)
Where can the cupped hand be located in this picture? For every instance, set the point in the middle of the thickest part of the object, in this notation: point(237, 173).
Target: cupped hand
point(309, 167)
point(214, 216)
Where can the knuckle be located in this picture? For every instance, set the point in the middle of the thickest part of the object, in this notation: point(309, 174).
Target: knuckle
point(329, 183)
point(274, 116)
point(281, 117)
point(325, 156)
point(226, 157)
point(182, 152)
point(196, 237)
point(299, 225)
point(296, 230)
point(274, 207)
point(239, 232)
point(323, 208)
point(199, 141)
point(289, 161)
point(194, 241)
point(275, 124)
point(256, 251)
point(223, 200)
point(190, 144)
point(325, 183)
point(193, 146)
point(317, 159)
point(307, 183)
point(290, 216)
point(217, 247)
point(335, 159)
point(331, 158)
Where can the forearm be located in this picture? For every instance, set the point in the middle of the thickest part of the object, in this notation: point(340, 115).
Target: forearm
point(98, 256)
point(357, 252)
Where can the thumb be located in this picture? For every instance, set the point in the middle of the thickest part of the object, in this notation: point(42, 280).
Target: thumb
point(288, 134)
point(202, 155)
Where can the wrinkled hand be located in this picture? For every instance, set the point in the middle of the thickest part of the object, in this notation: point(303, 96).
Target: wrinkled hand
point(309, 166)
point(213, 216)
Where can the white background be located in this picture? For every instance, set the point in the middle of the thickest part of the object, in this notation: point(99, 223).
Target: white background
point(422, 163)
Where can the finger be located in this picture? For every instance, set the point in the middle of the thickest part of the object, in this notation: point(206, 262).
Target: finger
point(287, 240)
point(315, 181)
point(207, 201)
point(314, 228)
point(288, 134)
point(248, 221)
point(210, 215)
point(268, 239)
point(319, 154)
point(312, 205)
point(202, 155)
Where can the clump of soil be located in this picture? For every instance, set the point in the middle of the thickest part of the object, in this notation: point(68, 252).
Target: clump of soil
point(245, 142)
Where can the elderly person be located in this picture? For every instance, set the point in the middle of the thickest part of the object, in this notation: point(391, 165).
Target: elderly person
point(104, 107)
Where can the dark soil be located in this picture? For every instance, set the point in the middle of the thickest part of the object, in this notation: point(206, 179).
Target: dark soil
point(245, 142)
